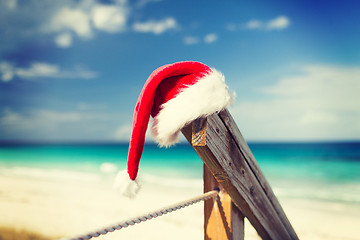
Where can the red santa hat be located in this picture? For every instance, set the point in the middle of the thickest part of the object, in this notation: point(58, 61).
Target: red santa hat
point(174, 95)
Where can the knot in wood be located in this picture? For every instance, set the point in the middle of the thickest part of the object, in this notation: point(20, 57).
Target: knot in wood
point(252, 190)
point(221, 177)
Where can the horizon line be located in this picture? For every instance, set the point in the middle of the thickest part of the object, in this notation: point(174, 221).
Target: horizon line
point(122, 142)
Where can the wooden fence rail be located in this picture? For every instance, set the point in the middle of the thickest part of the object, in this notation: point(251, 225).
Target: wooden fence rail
point(228, 158)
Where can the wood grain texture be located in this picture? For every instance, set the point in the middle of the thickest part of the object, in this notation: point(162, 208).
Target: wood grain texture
point(231, 162)
point(222, 219)
point(198, 134)
point(250, 159)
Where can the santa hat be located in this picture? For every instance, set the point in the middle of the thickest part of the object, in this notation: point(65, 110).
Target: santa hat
point(174, 95)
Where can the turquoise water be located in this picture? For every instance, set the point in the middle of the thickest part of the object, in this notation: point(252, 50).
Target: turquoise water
point(180, 160)
point(332, 162)
point(323, 171)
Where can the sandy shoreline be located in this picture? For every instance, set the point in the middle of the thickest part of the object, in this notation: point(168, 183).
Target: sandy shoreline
point(68, 208)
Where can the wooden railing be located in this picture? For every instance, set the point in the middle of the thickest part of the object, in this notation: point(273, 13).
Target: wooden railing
point(245, 192)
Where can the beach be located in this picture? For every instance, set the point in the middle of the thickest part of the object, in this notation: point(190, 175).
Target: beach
point(61, 203)
point(61, 209)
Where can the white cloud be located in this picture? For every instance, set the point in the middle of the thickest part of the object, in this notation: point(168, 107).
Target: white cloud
point(191, 40)
point(21, 22)
point(67, 20)
point(320, 103)
point(11, 119)
point(278, 23)
point(336, 86)
point(41, 70)
point(123, 133)
point(14, 121)
point(11, 4)
point(43, 124)
point(231, 27)
point(84, 18)
point(253, 24)
point(156, 27)
point(109, 18)
point(70, 19)
point(7, 71)
point(210, 38)
point(38, 69)
point(63, 40)
point(50, 124)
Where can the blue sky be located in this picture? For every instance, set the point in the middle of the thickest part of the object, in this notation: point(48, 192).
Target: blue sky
point(72, 70)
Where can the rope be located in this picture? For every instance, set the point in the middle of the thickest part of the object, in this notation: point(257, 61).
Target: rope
point(143, 218)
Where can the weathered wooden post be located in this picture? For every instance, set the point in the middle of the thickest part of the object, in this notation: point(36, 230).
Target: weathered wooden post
point(222, 219)
point(219, 143)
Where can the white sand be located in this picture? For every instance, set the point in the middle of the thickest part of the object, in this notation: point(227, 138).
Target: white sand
point(66, 208)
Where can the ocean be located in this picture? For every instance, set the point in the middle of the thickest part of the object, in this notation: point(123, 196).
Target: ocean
point(315, 171)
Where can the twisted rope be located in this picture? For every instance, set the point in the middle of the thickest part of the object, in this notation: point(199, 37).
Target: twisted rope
point(143, 218)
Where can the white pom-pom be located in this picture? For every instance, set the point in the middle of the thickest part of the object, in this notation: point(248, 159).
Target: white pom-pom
point(125, 185)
